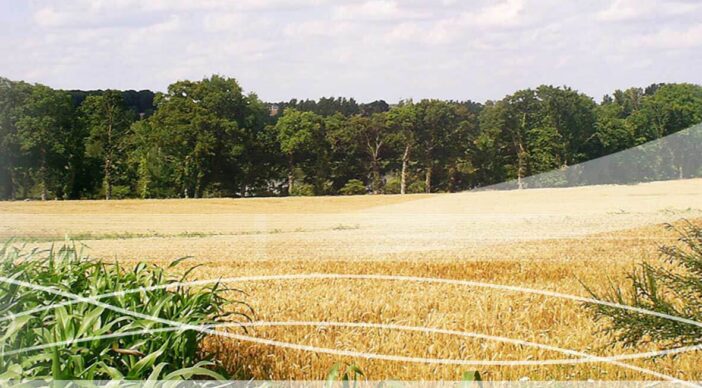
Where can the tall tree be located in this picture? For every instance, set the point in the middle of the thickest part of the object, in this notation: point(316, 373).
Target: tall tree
point(346, 159)
point(403, 119)
point(12, 98)
point(372, 135)
point(493, 153)
point(296, 132)
point(672, 108)
point(541, 129)
point(145, 159)
point(108, 121)
point(522, 114)
point(459, 150)
point(44, 132)
point(435, 119)
point(254, 154)
point(199, 124)
point(611, 129)
point(569, 118)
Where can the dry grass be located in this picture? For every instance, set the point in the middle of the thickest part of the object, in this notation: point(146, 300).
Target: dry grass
point(546, 239)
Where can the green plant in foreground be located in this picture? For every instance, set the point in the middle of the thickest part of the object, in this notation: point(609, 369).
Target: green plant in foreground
point(675, 289)
point(348, 373)
point(471, 376)
point(163, 355)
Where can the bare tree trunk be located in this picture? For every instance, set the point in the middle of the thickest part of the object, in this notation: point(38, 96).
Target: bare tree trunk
point(24, 184)
point(521, 154)
point(143, 173)
point(403, 176)
point(428, 166)
point(108, 178)
point(44, 193)
point(374, 147)
point(521, 168)
point(376, 177)
point(427, 178)
point(186, 177)
point(291, 175)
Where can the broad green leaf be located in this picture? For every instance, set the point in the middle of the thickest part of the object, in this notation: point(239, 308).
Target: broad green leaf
point(89, 320)
point(12, 372)
point(188, 373)
point(144, 364)
point(15, 326)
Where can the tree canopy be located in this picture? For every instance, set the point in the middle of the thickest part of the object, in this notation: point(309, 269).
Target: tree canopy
point(209, 138)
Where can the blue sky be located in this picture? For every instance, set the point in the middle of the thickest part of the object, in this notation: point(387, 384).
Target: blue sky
point(369, 50)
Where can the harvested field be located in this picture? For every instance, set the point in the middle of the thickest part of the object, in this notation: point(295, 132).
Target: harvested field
point(546, 239)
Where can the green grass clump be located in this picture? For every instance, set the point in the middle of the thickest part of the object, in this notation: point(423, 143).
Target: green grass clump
point(109, 236)
point(162, 354)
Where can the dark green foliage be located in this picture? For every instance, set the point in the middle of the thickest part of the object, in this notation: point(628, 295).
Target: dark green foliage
point(674, 289)
point(369, 139)
point(13, 96)
point(303, 190)
point(353, 187)
point(155, 355)
point(536, 130)
point(140, 102)
point(45, 133)
point(326, 106)
point(208, 138)
point(198, 127)
point(107, 121)
point(301, 138)
point(671, 108)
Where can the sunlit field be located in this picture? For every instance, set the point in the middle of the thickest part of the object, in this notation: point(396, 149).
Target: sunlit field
point(545, 239)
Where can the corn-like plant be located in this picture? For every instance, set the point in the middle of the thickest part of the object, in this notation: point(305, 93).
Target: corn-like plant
point(349, 374)
point(156, 352)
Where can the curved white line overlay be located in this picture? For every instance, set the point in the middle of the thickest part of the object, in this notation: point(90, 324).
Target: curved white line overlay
point(186, 326)
point(422, 329)
point(323, 276)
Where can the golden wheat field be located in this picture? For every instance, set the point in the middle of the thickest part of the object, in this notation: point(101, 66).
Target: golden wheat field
point(545, 239)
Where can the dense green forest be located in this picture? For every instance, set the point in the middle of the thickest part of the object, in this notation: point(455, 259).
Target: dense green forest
point(208, 139)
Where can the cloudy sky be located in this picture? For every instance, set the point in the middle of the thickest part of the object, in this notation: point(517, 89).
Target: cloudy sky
point(364, 49)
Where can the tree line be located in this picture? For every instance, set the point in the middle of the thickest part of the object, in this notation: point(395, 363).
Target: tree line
point(209, 138)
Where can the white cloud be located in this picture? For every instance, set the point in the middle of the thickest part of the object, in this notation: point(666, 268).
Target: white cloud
point(375, 10)
point(224, 21)
point(362, 48)
point(102, 13)
point(319, 28)
point(507, 13)
point(632, 10)
point(669, 38)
